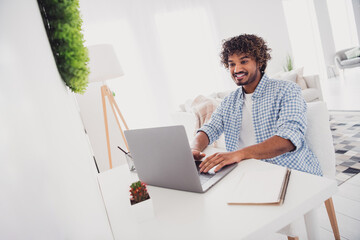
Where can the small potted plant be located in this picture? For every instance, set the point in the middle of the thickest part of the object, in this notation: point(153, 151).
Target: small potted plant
point(289, 64)
point(138, 192)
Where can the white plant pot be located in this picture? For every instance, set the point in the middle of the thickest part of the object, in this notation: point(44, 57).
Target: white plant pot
point(143, 211)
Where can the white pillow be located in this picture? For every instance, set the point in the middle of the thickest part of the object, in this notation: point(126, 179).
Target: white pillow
point(353, 53)
point(222, 95)
point(289, 76)
point(299, 79)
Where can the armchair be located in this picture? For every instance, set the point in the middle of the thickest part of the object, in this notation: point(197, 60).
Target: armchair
point(343, 62)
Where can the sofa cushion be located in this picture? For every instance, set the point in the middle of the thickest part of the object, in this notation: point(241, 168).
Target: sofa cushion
point(203, 107)
point(310, 94)
point(353, 53)
point(222, 95)
point(352, 61)
point(289, 76)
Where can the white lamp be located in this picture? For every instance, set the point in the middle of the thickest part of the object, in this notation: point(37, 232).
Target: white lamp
point(104, 65)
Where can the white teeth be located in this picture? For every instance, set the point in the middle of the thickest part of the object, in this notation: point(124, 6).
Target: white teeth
point(240, 75)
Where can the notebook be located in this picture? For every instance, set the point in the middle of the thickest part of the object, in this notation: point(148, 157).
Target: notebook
point(261, 187)
point(163, 158)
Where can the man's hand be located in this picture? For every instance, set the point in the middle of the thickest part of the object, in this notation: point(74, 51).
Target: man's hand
point(197, 154)
point(220, 159)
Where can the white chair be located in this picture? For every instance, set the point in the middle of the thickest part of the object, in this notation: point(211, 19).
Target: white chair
point(319, 139)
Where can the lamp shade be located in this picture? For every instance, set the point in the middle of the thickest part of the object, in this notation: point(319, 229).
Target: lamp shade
point(104, 64)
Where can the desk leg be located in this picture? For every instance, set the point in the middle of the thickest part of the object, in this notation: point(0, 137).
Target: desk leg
point(293, 238)
point(312, 224)
point(332, 217)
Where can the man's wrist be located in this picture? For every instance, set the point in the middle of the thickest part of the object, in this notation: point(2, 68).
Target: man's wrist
point(242, 154)
point(195, 149)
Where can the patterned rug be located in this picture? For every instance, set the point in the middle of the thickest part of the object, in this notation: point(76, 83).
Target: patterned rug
point(345, 127)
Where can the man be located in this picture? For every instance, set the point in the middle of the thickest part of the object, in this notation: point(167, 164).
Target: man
point(263, 119)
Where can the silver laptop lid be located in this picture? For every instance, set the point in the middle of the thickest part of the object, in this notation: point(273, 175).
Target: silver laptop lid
point(163, 158)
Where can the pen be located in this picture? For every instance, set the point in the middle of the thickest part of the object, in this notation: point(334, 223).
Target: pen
point(123, 150)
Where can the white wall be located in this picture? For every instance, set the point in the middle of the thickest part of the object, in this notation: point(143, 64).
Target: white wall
point(304, 35)
point(356, 10)
point(325, 35)
point(345, 22)
point(48, 179)
point(262, 17)
point(147, 88)
point(169, 51)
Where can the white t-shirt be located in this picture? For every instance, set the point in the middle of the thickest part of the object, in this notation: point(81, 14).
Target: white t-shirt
point(247, 131)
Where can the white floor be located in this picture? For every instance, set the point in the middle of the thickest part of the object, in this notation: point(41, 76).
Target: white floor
point(343, 92)
point(347, 207)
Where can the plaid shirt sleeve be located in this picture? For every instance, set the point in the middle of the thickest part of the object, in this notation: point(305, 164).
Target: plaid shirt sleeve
point(292, 117)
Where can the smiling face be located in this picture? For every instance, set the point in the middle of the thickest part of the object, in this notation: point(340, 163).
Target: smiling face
point(244, 71)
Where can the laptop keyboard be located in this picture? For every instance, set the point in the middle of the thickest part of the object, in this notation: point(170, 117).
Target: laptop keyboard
point(204, 177)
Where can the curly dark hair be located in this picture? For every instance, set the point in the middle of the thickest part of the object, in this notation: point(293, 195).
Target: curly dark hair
point(246, 43)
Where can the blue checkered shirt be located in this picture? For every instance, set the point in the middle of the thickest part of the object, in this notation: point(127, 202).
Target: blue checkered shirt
point(278, 109)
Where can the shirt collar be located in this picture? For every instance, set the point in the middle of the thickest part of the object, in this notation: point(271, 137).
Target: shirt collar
point(260, 88)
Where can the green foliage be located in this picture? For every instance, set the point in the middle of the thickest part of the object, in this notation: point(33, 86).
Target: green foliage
point(63, 26)
point(289, 64)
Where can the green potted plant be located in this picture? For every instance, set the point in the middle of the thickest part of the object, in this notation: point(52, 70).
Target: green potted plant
point(138, 192)
point(289, 64)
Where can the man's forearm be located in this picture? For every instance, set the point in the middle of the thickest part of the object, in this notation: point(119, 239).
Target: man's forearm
point(200, 141)
point(270, 148)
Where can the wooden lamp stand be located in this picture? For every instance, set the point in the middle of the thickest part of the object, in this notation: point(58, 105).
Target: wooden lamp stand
point(106, 93)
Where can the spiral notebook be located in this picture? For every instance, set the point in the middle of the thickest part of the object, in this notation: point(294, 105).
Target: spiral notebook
point(266, 187)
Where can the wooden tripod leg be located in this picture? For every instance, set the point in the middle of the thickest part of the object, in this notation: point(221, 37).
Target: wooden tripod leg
point(112, 104)
point(332, 216)
point(112, 99)
point(103, 94)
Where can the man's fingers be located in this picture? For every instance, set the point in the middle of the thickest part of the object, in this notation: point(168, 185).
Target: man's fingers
point(211, 163)
point(219, 160)
point(221, 165)
point(206, 160)
point(198, 155)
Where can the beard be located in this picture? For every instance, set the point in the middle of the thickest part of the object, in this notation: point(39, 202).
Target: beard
point(250, 79)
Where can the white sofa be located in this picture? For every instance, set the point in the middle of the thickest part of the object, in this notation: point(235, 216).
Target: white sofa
point(184, 116)
point(313, 92)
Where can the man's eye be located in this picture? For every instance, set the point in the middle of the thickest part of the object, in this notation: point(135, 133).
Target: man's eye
point(244, 62)
point(231, 64)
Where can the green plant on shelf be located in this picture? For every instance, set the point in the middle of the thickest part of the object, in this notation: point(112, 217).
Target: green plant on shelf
point(62, 22)
point(289, 64)
point(138, 192)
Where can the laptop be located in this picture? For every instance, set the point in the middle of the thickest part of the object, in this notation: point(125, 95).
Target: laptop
point(163, 158)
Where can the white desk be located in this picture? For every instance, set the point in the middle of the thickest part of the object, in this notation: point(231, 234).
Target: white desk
point(184, 215)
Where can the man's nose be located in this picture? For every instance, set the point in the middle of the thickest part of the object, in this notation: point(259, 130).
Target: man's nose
point(238, 68)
